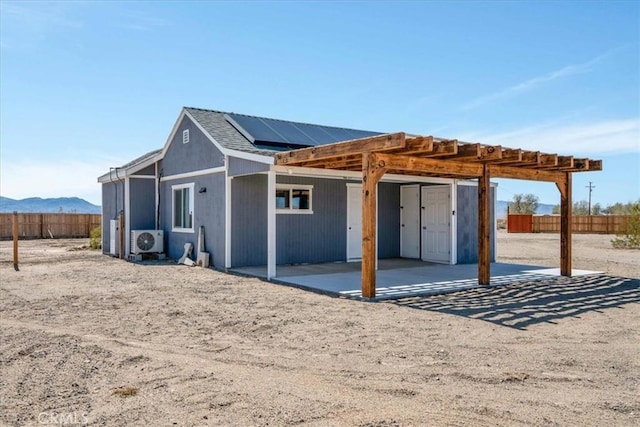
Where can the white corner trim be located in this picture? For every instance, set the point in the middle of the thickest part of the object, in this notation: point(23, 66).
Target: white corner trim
point(453, 205)
point(192, 174)
point(271, 225)
point(157, 198)
point(127, 217)
point(227, 214)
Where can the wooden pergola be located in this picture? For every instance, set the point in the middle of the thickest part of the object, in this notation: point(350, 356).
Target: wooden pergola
point(433, 157)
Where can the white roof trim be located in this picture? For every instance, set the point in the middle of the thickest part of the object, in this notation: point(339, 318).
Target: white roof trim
point(128, 171)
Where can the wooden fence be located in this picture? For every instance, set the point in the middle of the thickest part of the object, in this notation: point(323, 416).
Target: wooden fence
point(49, 226)
point(593, 224)
point(519, 223)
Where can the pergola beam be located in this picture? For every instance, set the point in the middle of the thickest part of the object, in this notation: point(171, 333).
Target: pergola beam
point(499, 171)
point(440, 166)
point(377, 143)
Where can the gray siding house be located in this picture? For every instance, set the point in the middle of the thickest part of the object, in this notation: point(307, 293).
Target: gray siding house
point(217, 171)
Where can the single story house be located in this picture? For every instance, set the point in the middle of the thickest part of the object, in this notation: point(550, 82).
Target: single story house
point(273, 192)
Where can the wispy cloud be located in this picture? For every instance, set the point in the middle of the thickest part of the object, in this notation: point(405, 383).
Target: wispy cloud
point(596, 137)
point(27, 24)
point(141, 22)
point(531, 84)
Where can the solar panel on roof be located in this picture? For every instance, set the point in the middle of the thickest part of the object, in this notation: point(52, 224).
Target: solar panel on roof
point(280, 132)
point(289, 132)
point(256, 128)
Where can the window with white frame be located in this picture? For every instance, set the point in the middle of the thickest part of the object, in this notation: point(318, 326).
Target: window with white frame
point(185, 136)
point(182, 207)
point(294, 199)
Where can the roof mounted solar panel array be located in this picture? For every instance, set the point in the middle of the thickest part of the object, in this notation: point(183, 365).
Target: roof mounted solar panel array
point(284, 133)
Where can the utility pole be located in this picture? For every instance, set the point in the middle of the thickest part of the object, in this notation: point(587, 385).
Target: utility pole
point(590, 187)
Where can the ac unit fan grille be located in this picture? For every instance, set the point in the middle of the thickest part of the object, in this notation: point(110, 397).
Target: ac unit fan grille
point(145, 241)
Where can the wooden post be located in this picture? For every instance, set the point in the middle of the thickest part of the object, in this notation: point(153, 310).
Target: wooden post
point(121, 235)
point(15, 241)
point(42, 226)
point(566, 220)
point(484, 218)
point(371, 174)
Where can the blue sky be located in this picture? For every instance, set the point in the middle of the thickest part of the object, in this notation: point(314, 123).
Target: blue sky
point(89, 85)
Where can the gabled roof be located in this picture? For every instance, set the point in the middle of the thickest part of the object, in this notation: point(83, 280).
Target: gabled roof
point(241, 135)
point(133, 166)
point(265, 136)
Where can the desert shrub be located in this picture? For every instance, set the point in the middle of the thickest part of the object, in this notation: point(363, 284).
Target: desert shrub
point(95, 238)
point(630, 239)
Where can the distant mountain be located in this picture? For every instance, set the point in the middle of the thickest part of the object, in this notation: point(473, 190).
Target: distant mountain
point(39, 205)
point(543, 209)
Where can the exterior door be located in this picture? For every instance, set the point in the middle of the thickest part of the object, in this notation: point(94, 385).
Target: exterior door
point(436, 223)
point(354, 222)
point(410, 221)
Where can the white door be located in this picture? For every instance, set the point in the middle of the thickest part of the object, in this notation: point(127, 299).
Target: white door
point(354, 222)
point(410, 221)
point(436, 223)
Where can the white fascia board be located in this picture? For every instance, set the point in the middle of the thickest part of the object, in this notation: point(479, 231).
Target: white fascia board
point(355, 175)
point(204, 132)
point(251, 156)
point(225, 151)
point(201, 172)
point(183, 112)
point(130, 171)
point(115, 175)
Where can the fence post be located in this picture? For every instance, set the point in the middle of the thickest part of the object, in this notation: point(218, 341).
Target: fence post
point(15, 241)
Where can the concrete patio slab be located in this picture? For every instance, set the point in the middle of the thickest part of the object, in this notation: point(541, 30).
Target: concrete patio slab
point(400, 278)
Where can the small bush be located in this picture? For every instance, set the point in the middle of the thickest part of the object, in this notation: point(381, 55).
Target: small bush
point(95, 238)
point(630, 239)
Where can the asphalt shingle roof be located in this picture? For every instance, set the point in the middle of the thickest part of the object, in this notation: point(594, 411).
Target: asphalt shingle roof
point(226, 135)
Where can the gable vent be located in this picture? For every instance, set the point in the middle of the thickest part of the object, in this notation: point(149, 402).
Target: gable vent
point(185, 136)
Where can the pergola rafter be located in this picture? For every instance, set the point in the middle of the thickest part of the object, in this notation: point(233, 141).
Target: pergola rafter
point(431, 157)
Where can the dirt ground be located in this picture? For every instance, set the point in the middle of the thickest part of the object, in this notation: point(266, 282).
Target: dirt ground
point(91, 340)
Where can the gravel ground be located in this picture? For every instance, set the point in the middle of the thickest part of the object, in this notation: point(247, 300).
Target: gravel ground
point(86, 339)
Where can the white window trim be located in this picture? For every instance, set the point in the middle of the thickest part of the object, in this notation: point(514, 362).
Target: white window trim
point(190, 186)
point(185, 136)
point(291, 211)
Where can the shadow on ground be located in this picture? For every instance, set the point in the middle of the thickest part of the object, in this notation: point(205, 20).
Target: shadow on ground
point(523, 304)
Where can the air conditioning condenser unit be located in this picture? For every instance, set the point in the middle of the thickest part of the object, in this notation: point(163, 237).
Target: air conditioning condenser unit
point(147, 241)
